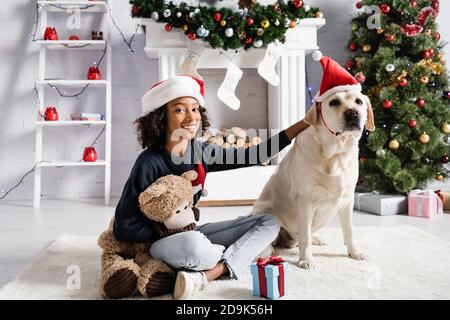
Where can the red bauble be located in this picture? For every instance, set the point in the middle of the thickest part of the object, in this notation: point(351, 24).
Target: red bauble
point(349, 64)
point(420, 103)
point(413, 3)
point(412, 123)
point(403, 82)
point(437, 36)
point(426, 54)
point(250, 21)
point(249, 40)
point(168, 27)
point(94, 73)
point(444, 158)
point(360, 77)
point(363, 158)
point(297, 3)
point(217, 16)
point(387, 104)
point(192, 36)
point(385, 8)
point(50, 34)
point(50, 114)
point(390, 38)
point(74, 37)
point(89, 155)
point(431, 51)
point(359, 5)
point(135, 9)
point(352, 46)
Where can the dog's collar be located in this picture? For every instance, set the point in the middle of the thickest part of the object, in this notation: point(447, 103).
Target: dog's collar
point(323, 120)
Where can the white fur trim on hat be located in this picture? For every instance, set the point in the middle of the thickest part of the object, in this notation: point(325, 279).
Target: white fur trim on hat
point(170, 89)
point(344, 88)
point(317, 55)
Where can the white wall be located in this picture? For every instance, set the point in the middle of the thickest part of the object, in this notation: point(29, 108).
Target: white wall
point(133, 73)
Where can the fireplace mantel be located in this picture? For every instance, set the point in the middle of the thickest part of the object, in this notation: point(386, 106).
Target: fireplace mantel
point(286, 102)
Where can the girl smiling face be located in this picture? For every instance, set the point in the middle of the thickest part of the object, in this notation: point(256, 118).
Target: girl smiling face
point(183, 118)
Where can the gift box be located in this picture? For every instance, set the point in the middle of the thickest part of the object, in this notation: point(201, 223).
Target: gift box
point(269, 277)
point(381, 204)
point(445, 197)
point(424, 203)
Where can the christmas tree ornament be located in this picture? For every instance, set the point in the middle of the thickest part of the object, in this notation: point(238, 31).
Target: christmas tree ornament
point(167, 13)
point(50, 34)
point(424, 138)
point(217, 17)
point(50, 114)
point(420, 103)
point(89, 154)
point(135, 9)
point(250, 21)
point(226, 92)
point(437, 36)
point(380, 153)
point(265, 23)
point(249, 40)
point(385, 8)
point(403, 82)
point(387, 104)
point(319, 15)
point(363, 158)
point(292, 24)
point(390, 67)
point(259, 32)
point(380, 31)
point(258, 43)
point(394, 144)
point(360, 77)
point(242, 35)
point(439, 177)
point(229, 32)
point(424, 79)
point(390, 38)
point(367, 47)
point(297, 3)
point(349, 64)
point(201, 31)
point(412, 123)
point(359, 5)
point(413, 3)
point(192, 36)
point(191, 15)
point(355, 27)
point(306, 8)
point(267, 68)
point(94, 73)
point(155, 15)
point(168, 27)
point(446, 95)
point(431, 51)
point(444, 159)
point(428, 32)
point(74, 37)
point(277, 22)
point(426, 54)
point(446, 139)
point(396, 128)
point(445, 128)
point(191, 58)
point(197, 11)
point(178, 14)
point(223, 23)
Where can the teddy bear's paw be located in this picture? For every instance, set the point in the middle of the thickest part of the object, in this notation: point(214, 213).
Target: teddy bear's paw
point(122, 283)
point(159, 284)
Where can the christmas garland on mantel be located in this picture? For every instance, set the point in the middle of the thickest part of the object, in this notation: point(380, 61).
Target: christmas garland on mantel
point(246, 28)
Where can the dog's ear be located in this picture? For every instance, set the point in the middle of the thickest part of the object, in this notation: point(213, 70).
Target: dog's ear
point(311, 115)
point(370, 124)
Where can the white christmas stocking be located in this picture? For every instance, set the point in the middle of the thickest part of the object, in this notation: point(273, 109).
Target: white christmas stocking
point(267, 67)
point(191, 57)
point(226, 92)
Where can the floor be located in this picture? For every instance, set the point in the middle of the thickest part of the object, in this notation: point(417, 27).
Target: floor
point(25, 231)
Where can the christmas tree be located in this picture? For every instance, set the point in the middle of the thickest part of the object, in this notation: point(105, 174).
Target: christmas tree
point(396, 55)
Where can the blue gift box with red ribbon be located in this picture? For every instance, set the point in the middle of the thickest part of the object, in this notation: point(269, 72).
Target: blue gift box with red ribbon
point(269, 277)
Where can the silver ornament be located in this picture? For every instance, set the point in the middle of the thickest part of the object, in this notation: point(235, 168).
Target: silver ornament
point(179, 14)
point(167, 13)
point(287, 22)
point(277, 22)
point(197, 11)
point(201, 31)
point(390, 67)
point(257, 43)
point(229, 32)
point(381, 153)
point(191, 15)
point(155, 16)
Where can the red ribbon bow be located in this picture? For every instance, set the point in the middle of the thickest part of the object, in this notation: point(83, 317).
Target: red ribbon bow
point(262, 263)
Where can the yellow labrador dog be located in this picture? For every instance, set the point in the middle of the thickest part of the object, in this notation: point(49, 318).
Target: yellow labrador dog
point(317, 178)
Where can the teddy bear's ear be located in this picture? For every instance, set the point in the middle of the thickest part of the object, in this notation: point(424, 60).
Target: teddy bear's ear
point(190, 175)
point(153, 191)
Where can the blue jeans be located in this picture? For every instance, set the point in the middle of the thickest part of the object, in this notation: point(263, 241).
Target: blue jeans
point(237, 242)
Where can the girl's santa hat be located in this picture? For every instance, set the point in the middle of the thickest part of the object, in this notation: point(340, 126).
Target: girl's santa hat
point(334, 79)
point(170, 89)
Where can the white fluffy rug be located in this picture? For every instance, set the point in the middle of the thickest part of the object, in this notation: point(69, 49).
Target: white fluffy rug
point(405, 263)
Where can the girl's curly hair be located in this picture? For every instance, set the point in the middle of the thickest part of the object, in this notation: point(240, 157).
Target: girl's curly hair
point(151, 129)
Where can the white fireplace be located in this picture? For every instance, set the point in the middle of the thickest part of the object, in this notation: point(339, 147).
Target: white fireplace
point(286, 102)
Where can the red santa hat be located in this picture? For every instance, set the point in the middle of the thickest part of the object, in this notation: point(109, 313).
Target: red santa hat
point(335, 78)
point(199, 183)
point(170, 89)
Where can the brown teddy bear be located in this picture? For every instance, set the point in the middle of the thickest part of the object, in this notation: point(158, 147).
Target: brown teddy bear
point(128, 268)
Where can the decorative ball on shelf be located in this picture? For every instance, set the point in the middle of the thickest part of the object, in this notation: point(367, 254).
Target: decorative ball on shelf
point(185, 27)
point(250, 21)
point(439, 177)
point(155, 15)
point(259, 32)
point(426, 54)
point(387, 104)
point(385, 8)
point(167, 13)
point(424, 138)
point(390, 67)
point(359, 5)
point(403, 82)
point(201, 31)
point(445, 128)
point(390, 38)
point(367, 47)
point(412, 123)
point(191, 15)
point(380, 31)
point(360, 77)
point(292, 24)
point(74, 37)
point(135, 9)
point(420, 102)
point(168, 27)
point(349, 64)
point(424, 79)
point(229, 32)
point(444, 159)
point(192, 36)
point(223, 23)
point(394, 144)
point(319, 15)
point(249, 40)
point(178, 14)
point(277, 22)
point(217, 17)
point(297, 3)
point(265, 23)
point(258, 43)
point(431, 51)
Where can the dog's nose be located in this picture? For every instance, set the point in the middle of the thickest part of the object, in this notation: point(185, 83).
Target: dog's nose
point(351, 113)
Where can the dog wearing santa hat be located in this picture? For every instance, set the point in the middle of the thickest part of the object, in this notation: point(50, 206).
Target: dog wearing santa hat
point(317, 178)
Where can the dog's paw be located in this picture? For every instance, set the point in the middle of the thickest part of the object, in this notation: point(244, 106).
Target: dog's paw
point(307, 264)
point(317, 241)
point(358, 256)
